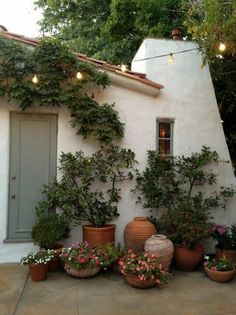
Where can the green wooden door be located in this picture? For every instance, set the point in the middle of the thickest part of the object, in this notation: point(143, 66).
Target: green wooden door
point(33, 155)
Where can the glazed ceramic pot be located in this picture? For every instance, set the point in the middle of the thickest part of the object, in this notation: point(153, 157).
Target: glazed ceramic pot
point(99, 235)
point(83, 273)
point(135, 282)
point(161, 247)
point(137, 232)
point(188, 259)
point(219, 276)
point(38, 272)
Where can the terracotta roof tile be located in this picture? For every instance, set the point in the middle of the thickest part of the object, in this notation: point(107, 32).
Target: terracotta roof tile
point(140, 77)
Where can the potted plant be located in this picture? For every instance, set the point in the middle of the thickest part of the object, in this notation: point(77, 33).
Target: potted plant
point(82, 260)
point(89, 189)
point(38, 263)
point(48, 231)
point(110, 256)
point(226, 241)
point(175, 188)
point(220, 271)
point(142, 270)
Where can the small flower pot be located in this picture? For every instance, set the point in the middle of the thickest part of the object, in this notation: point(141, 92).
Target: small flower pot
point(38, 272)
point(219, 276)
point(135, 282)
point(83, 273)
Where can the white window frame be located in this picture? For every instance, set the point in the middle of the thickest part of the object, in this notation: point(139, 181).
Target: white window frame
point(166, 121)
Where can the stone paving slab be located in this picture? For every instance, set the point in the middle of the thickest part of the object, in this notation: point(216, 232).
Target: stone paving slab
point(188, 293)
point(12, 280)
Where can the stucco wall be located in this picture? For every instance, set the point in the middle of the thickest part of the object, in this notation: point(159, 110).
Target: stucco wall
point(188, 98)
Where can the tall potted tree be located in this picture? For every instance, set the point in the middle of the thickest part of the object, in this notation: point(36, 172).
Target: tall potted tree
point(174, 189)
point(89, 189)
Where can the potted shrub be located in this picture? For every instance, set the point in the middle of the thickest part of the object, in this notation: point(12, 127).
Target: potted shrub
point(48, 231)
point(220, 271)
point(175, 188)
point(38, 263)
point(226, 241)
point(110, 256)
point(89, 189)
point(142, 270)
point(82, 260)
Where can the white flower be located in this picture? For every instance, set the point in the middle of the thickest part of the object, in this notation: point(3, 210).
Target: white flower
point(206, 257)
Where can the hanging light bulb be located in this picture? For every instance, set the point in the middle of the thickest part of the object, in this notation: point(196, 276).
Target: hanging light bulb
point(79, 75)
point(222, 46)
point(35, 79)
point(124, 68)
point(171, 59)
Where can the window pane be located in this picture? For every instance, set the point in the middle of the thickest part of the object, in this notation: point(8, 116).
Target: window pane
point(164, 130)
point(164, 147)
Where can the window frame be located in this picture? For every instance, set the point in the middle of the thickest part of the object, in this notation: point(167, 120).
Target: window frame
point(169, 121)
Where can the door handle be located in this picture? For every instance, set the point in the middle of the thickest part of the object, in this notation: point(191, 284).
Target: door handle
point(13, 178)
point(13, 196)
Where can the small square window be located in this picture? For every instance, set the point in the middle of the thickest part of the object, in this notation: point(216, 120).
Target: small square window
point(165, 137)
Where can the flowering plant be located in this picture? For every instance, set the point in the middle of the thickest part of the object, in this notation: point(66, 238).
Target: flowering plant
point(222, 265)
point(144, 265)
point(81, 255)
point(224, 235)
point(42, 256)
point(110, 254)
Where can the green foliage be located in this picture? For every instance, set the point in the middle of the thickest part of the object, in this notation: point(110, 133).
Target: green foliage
point(222, 265)
point(49, 230)
point(56, 67)
point(176, 186)
point(113, 31)
point(210, 22)
point(89, 188)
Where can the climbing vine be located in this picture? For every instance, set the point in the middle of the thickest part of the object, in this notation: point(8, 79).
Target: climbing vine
point(56, 67)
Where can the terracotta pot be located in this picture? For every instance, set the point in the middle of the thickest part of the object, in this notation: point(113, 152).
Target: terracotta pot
point(38, 272)
point(137, 232)
point(188, 259)
point(229, 254)
point(83, 273)
point(134, 281)
point(162, 247)
point(99, 235)
point(219, 276)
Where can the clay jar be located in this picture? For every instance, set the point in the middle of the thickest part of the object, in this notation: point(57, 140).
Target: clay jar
point(137, 232)
point(188, 259)
point(162, 247)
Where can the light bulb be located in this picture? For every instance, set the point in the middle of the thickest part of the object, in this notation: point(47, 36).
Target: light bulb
point(171, 59)
point(35, 79)
point(79, 75)
point(222, 47)
point(124, 68)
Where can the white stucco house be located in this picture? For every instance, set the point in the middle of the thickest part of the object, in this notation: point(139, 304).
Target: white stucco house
point(156, 97)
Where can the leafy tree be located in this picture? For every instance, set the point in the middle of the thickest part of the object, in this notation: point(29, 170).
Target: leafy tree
point(115, 29)
point(211, 22)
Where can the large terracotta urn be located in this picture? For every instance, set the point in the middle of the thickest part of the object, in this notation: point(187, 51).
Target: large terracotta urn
point(188, 259)
point(137, 232)
point(162, 247)
point(99, 235)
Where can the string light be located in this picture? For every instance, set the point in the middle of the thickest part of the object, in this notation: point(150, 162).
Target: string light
point(35, 79)
point(171, 59)
point(222, 46)
point(124, 68)
point(79, 75)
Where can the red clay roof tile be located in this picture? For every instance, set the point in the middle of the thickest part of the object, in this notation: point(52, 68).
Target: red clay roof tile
point(140, 77)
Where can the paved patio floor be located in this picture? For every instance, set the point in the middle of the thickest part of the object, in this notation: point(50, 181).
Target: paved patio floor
point(188, 293)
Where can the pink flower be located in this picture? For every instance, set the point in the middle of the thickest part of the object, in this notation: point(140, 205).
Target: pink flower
point(83, 260)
